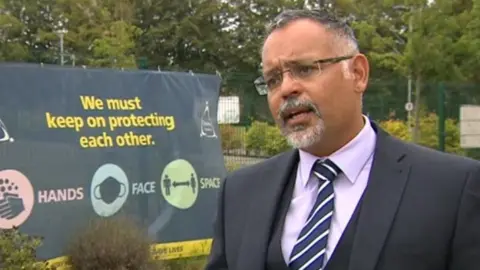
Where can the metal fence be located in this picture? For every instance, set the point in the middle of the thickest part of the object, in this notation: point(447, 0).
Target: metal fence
point(384, 100)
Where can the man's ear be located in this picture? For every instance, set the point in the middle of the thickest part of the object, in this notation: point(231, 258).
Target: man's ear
point(361, 72)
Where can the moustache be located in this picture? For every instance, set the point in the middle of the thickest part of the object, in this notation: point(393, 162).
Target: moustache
point(296, 104)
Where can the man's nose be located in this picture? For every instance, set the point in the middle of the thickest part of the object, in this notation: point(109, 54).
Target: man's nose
point(289, 85)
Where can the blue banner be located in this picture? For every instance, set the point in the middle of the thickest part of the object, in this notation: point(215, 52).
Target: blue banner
point(82, 143)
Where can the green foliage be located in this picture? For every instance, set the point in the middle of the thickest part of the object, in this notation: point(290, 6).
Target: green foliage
point(211, 35)
point(275, 141)
point(256, 137)
point(194, 263)
point(428, 132)
point(18, 251)
point(111, 243)
point(397, 128)
point(233, 166)
point(115, 47)
point(265, 139)
point(232, 137)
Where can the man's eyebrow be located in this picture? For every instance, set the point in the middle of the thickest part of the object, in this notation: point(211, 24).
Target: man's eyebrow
point(270, 71)
point(302, 60)
point(305, 60)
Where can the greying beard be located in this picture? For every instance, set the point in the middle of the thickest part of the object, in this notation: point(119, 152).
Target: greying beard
point(301, 136)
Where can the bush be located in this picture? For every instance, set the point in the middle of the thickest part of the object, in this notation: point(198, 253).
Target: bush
point(256, 137)
point(18, 251)
point(275, 141)
point(111, 243)
point(397, 128)
point(232, 137)
point(231, 166)
point(428, 132)
point(265, 139)
point(193, 263)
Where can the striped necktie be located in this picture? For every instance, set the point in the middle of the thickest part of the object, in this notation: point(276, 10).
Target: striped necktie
point(309, 250)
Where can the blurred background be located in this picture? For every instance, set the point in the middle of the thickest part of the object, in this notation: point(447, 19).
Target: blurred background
point(424, 56)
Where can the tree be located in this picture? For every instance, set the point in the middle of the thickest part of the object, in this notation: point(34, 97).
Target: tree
point(11, 28)
point(18, 251)
point(180, 36)
point(116, 48)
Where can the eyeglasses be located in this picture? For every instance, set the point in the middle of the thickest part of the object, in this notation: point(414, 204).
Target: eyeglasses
point(298, 70)
point(4, 136)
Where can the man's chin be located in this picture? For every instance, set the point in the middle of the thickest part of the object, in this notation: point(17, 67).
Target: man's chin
point(302, 137)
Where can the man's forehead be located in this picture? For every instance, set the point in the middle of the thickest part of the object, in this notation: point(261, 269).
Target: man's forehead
point(273, 63)
point(295, 44)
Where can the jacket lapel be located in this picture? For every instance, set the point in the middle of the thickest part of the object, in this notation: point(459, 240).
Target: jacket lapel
point(262, 208)
point(382, 196)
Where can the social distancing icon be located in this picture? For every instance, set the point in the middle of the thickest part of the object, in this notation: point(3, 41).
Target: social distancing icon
point(168, 183)
point(179, 184)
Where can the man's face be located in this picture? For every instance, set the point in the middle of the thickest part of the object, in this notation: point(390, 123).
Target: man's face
point(320, 101)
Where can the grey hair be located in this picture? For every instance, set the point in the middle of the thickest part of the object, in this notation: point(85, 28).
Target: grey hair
point(339, 28)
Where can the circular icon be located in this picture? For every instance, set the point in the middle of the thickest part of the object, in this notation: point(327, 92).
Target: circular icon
point(109, 190)
point(409, 106)
point(16, 199)
point(179, 184)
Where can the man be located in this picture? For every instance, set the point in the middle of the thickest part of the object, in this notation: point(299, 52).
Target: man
point(349, 196)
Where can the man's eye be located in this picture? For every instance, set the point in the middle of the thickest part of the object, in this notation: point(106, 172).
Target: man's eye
point(272, 82)
point(305, 70)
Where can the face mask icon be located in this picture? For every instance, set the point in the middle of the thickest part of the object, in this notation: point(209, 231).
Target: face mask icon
point(4, 136)
point(109, 190)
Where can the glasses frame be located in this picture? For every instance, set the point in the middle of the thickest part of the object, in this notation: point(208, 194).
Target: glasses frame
point(261, 86)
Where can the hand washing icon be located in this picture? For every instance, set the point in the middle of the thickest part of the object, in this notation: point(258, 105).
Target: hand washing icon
point(16, 198)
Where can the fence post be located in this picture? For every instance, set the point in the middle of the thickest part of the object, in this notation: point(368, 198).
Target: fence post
point(441, 117)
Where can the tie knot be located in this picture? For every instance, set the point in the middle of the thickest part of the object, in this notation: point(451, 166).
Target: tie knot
point(326, 170)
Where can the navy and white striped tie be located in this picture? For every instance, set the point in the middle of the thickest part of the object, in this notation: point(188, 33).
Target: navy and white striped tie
point(309, 250)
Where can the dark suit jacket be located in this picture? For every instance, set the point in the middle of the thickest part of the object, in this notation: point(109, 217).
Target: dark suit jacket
point(420, 211)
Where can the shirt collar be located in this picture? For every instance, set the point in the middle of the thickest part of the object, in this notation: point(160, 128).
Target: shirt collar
point(351, 158)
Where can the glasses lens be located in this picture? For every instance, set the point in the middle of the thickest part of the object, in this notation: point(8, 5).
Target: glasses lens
point(261, 86)
point(305, 70)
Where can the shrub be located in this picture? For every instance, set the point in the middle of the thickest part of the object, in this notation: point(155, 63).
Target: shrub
point(265, 139)
point(231, 166)
point(275, 141)
point(18, 251)
point(397, 128)
point(428, 132)
point(193, 263)
point(256, 137)
point(232, 137)
point(111, 243)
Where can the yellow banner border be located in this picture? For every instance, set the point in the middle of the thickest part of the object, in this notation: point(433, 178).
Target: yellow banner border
point(160, 251)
